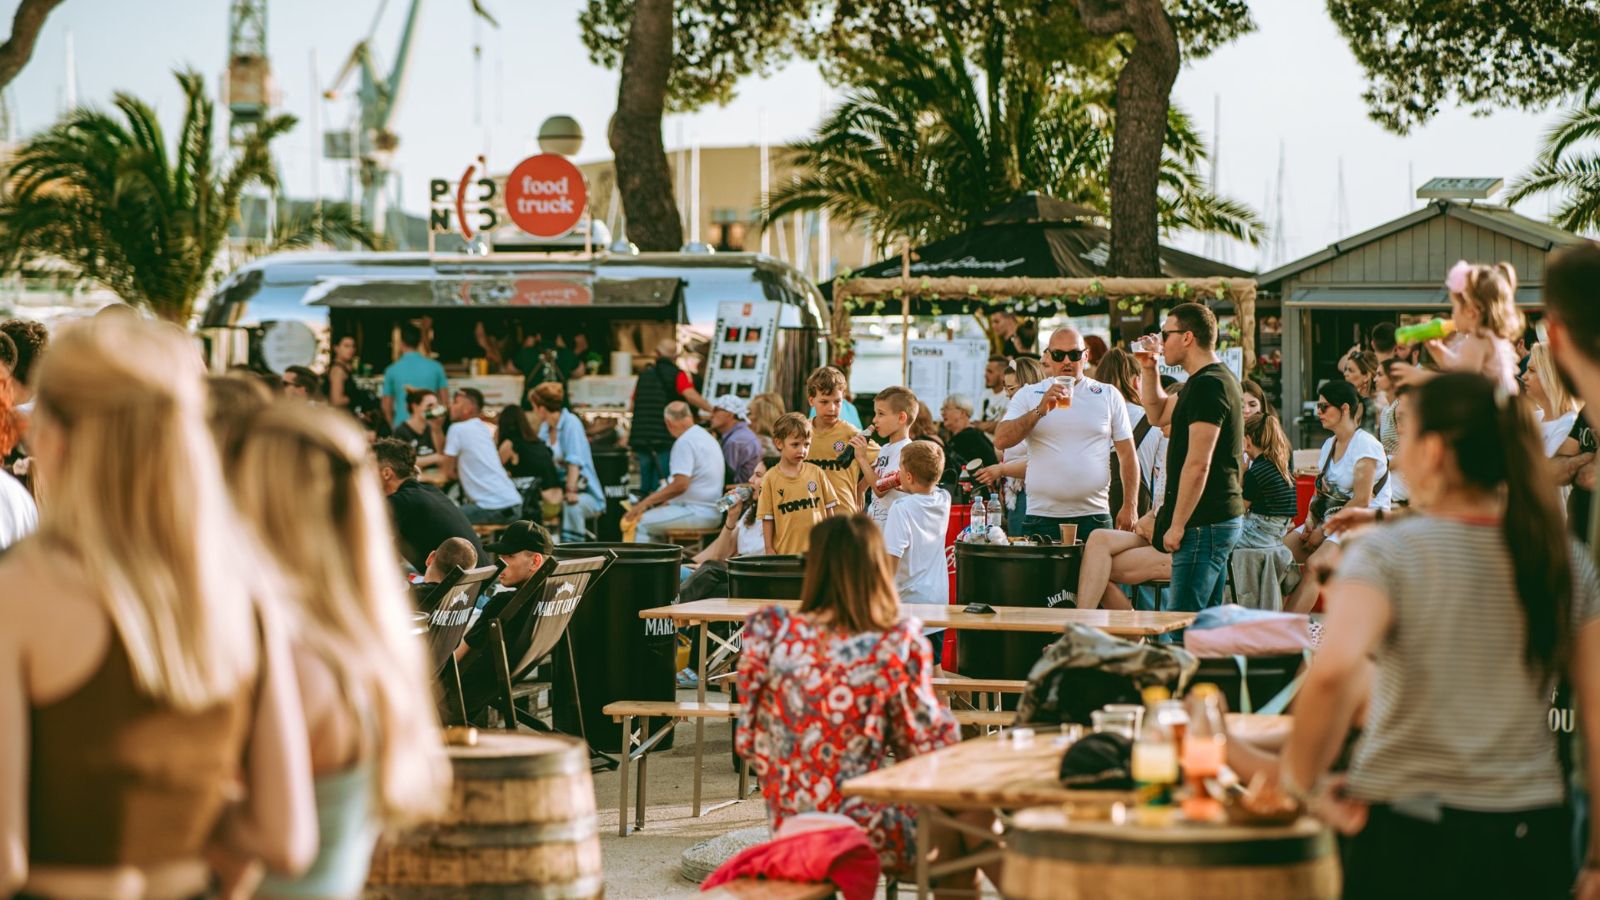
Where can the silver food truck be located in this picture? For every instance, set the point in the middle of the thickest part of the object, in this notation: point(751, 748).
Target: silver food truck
point(612, 309)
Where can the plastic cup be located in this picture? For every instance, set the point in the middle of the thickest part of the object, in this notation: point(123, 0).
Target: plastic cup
point(1065, 400)
point(1069, 535)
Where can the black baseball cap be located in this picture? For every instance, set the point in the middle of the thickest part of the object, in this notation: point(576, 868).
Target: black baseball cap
point(520, 536)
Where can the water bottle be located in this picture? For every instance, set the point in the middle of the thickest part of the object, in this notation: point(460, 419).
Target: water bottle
point(740, 494)
point(980, 515)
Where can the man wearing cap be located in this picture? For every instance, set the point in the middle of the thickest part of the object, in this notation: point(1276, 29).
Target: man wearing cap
point(694, 482)
point(522, 549)
point(741, 449)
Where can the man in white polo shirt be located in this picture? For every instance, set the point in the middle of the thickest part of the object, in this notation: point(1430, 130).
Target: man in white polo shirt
point(694, 481)
point(471, 455)
point(1068, 481)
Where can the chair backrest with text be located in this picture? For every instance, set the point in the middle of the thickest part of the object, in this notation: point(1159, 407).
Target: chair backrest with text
point(450, 606)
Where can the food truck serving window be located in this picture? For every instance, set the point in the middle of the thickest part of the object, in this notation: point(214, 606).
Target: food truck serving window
point(528, 290)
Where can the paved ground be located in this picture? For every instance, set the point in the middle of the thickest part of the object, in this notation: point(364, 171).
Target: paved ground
point(645, 864)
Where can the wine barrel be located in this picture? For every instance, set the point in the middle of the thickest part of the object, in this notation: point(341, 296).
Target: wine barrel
point(1047, 855)
point(521, 824)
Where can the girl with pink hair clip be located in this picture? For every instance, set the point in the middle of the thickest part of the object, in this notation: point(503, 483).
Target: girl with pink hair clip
point(1483, 308)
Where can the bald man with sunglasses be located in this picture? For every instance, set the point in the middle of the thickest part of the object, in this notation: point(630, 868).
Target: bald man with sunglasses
point(1068, 481)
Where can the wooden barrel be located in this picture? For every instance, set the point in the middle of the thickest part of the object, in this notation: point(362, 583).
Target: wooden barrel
point(1047, 855)
point(521, 824)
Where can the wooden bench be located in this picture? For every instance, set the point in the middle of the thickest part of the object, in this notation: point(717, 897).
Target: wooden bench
point(768, 889)
point(625, 711)
point(691, 538)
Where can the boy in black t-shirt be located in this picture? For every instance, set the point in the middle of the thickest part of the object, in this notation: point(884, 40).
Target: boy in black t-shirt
point(1202, 515)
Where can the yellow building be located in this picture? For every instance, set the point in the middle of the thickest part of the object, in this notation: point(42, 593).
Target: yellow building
point(729, 207)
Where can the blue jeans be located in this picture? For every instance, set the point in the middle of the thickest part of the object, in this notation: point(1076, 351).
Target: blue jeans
point(1046, 526)
point(479, 515)
point(1200, 564)
point(653, 468)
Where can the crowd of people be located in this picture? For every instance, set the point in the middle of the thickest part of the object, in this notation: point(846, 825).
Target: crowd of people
point(246, 650)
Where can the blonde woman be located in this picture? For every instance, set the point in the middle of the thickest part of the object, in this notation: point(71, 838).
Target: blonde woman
point(1558, 409)
point(376, 751)
point(149, 714)
point(765, 410)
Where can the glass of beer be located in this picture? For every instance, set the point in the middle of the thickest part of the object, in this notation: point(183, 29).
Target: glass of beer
point(1146, 347)
point(1065, 400)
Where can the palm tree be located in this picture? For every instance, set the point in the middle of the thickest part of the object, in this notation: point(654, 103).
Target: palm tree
point(100, 194)
point(923, 154)
point(1568, 169)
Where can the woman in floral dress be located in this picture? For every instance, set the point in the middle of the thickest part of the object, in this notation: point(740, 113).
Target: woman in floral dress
point(839, 689)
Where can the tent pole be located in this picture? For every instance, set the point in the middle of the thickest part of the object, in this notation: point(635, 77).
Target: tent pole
point(905, 313)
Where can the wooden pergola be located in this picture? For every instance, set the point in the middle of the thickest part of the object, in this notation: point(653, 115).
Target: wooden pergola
point(1130, 295)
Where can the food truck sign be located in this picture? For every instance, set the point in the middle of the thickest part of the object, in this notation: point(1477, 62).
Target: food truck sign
point(545, 196)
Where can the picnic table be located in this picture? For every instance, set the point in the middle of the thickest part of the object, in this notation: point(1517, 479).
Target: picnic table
point(1116, 622)
point(998, 772)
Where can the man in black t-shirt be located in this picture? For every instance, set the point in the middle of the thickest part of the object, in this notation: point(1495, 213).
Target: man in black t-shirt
point(1203, 511)
point(424, 517)
point(1576, 467)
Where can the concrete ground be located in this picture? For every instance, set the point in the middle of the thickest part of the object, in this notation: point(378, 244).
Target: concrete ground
point(645, 864)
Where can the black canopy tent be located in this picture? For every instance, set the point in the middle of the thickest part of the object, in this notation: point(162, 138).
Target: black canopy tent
point(1034, 236)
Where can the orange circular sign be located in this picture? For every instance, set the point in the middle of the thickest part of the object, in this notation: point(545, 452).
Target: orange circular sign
point(545, 195)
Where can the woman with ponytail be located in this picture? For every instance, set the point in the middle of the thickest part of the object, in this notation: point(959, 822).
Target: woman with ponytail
point(1471, 609)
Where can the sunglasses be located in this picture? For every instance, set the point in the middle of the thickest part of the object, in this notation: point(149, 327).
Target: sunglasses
point(1323, 406)
point(1167, 334)
point(1074, 354)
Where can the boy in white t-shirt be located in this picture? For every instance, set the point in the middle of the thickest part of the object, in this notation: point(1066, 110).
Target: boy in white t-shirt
point(893, 410)
point(914, 534)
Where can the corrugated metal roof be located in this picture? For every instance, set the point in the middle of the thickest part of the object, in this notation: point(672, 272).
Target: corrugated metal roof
point(1498, 219)
point(1387, 298)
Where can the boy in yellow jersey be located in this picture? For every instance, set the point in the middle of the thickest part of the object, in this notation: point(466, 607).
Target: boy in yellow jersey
point(794, 496)
point(832, 436)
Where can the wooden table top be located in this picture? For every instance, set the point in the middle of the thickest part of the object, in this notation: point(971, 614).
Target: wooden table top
point(1118, 622)
point(996, 772)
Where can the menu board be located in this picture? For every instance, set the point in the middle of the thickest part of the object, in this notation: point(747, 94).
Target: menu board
point(938, 369)
point(741, 349)
point(1232, 357)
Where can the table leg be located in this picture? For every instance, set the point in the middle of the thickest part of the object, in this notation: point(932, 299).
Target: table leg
point(622, 777)
point(699, 721)
point(638, 791)
point(924, 847)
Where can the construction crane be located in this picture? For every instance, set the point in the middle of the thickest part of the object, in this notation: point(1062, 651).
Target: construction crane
point(377, 97)
point(250, 86)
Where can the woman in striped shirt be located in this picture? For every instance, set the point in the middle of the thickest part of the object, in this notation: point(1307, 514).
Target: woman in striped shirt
point(1470, 612)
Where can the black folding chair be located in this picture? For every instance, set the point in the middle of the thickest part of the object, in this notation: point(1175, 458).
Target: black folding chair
point(525, 630)
point(449, 607)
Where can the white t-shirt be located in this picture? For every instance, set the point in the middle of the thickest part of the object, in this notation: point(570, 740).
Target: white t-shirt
point(1554, 432)
point(888, 461)
point(993, 406)
point(1153, 465)
point(1342, 474)
point(698, 455)
point(483, 477)
point(18, 514)
point(1068, 449)
point(749, 540)
point(915, 533)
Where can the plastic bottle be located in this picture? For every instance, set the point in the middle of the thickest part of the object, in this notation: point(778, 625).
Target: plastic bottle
point(980, 515)
point(740, 494)
point(1155, 763)
point(1432, 330)
point(1204, 753)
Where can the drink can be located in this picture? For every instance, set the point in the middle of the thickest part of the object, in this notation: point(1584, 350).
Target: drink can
point(889, 482)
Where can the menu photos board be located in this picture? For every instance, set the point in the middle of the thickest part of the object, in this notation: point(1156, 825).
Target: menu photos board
point(741, 349)
point(938, 369)
point(1232, 357)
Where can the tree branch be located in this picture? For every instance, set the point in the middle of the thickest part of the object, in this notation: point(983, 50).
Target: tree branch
point(25, 28)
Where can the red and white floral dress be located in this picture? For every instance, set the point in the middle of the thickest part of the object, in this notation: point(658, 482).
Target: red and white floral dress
point(820, 707)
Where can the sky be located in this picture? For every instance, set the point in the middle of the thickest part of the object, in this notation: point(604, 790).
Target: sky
point(1289, 96)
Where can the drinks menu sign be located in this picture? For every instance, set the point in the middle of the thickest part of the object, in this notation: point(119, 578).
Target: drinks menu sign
point(741, 349)
point(937, 369)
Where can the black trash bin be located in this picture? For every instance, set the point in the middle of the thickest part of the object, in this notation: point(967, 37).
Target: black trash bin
point(776, 577)
point(617, 655)
point(611, 464)
point(1011, 575)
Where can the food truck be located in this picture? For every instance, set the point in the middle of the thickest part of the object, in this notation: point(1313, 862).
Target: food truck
point(283, 310)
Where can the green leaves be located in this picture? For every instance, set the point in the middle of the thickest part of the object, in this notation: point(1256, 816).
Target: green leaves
point(98, 193)
point(1569, 166)
point(1420, 54)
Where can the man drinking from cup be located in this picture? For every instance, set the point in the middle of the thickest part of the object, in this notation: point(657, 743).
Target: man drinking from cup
point(1071, 424)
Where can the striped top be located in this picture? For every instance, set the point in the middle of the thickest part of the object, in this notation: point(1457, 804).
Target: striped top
point(1456, 716)
point(1269, 492)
